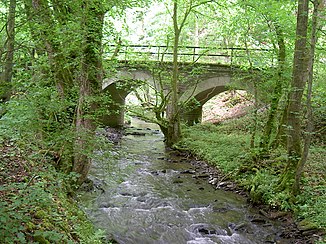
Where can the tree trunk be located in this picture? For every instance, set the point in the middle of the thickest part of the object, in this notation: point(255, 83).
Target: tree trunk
point(174, 130)
point(5, 85)
point(280, 138)
point(255, 112)
point(299, 77)
point(309, 127)
point(266, 138)
point(42, 27)
point(90, 84)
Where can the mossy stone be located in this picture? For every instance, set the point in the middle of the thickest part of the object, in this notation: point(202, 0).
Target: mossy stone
point(305, 225)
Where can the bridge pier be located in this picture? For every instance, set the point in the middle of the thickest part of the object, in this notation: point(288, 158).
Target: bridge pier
point(115, 108)
point(193, 117)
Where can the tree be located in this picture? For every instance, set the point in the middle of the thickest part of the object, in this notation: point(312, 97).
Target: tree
point(173, 130)
point(173, 110)
point(89, 82)
point(277, 93)
point(319, 5)
point(299, 78)
point(6, 77)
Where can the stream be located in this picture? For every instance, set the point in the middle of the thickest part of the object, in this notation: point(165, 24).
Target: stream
point(149, 195)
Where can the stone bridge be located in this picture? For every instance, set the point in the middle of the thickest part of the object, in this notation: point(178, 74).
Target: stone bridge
point(198, 84)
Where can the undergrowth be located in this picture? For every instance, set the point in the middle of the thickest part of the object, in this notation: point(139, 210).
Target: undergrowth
point(35, 206)
point(220, 148)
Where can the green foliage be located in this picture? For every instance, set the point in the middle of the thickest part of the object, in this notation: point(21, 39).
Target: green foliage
point(319, 105)
point(219, 148)
point(312, 201)
point(37, 133)
point(313, 205)
point(262, 188)
point(37, 208)
point(40, 120)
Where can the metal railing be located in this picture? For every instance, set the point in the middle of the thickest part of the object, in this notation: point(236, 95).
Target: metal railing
point(217, 55)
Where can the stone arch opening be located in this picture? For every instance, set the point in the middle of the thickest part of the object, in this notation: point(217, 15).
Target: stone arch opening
point(141, 101)
point(226, 105)
point(115, 91)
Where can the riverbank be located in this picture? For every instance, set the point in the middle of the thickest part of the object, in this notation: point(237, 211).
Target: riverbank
point(225, 147)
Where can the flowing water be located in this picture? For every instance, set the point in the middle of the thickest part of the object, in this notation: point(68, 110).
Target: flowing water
point(150, 196)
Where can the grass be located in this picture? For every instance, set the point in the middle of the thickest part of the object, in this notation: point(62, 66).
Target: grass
point(226, 146)
point(220, 148)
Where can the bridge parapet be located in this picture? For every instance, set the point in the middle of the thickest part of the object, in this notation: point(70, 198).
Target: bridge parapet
point(195, 54)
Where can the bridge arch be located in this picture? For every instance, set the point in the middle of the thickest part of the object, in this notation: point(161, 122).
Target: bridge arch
point(197, 96)
point(117, 89)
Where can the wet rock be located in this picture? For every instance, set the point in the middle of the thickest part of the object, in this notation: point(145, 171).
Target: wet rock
point(270, 239)
point(188, 171)
point(267, 225)
point(105, 205)
point(204, 231)
point(141, 199)
point(226, 185)
point(213, 181)
point(127, 194)
point(112, 134)
point(135, 133)
point(139, 163)
point(231, 226)
point(222, 184)
point(309, 232)
point(219, 209)
point(202, 175)
point(273, 215)
point(258, 219)
point(154, 172)
point(241, 226)
point(209, 231)
point(111, 240)
point(93, 185)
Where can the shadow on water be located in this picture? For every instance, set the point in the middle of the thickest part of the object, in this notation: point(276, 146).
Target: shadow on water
point(150, 196)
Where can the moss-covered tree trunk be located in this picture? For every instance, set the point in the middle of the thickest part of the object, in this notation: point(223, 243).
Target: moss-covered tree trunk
point(45, 23)
point(299, 78)
point(6, 76)
point(269, 126)
point(173, 130)
point(318, 6)
point(89, 83)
